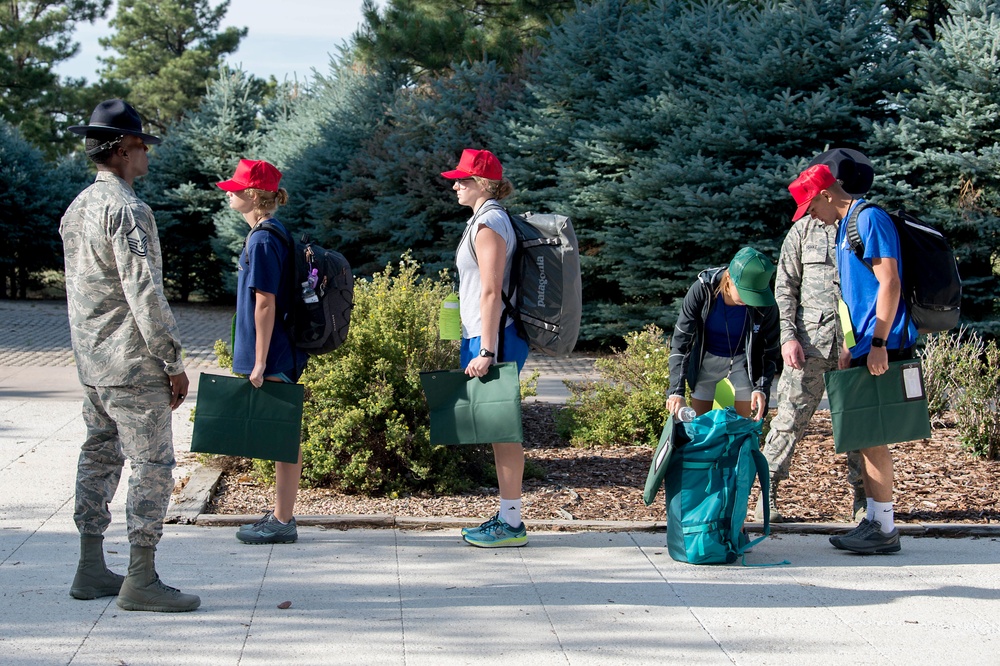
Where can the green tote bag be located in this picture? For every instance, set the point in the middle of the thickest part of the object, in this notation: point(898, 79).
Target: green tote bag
point(474, 410)
point(233, 418)
point(871, 411)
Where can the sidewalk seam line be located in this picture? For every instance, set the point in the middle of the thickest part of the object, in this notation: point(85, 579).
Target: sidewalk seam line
point(256, 604)
point(541, 602)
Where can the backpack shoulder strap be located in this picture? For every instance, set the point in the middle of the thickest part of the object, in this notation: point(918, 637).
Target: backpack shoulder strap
point(854, 238)
point(268, 225)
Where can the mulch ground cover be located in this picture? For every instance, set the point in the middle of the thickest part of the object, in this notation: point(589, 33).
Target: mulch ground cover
point(936, 480)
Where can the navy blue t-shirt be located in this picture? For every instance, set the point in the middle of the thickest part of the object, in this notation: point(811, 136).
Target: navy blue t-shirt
point(724, 329)
point(261, 267)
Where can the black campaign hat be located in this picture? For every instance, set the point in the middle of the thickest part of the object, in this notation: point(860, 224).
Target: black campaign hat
point(850, 167)
point(115, 116)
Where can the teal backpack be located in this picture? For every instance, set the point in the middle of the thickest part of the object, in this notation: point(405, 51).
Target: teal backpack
point(708, 467)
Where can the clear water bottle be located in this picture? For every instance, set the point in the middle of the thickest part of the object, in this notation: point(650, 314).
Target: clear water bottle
point(686, 414)
point(308, 294)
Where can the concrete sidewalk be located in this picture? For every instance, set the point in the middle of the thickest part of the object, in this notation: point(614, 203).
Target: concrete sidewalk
point(416, 596)
point(397, 596)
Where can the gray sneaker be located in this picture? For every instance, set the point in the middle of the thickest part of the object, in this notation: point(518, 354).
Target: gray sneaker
point(268, 530)
point(836, 539)
point(869, 539)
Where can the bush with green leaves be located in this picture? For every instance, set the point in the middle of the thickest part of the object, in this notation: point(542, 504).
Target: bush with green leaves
point(627, 405)
point(977, 396)
point(365, 422)
point(939, 359)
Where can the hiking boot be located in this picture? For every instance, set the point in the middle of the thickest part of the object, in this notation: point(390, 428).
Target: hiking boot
point(93, 578)
point(871, 540)
point(860, 527)
point(268, 530)
point(772, 500)
point(144, 591)
point(496, 533)
point(484, 526)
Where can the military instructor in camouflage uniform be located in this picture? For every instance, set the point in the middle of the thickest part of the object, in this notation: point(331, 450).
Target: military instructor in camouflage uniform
point(128, 354)
point(807, 292)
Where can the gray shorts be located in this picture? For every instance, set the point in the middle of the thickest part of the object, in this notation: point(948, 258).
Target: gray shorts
point(716, 368)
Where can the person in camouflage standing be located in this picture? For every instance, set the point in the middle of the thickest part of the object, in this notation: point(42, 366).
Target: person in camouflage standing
point(128, 355)
point(805, 288)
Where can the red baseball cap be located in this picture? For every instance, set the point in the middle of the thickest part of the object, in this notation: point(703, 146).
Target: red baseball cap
point(810, 182)
point(257, 174)
point(480, 163)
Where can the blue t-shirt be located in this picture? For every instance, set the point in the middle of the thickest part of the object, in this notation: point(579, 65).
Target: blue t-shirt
point(725, 329)
point(859, 286)
point(261, 267)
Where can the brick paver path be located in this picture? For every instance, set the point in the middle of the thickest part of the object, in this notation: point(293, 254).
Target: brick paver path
point(36, 333)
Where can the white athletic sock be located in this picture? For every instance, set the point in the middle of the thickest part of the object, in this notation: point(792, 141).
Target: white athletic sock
point(869, 510)
point(510, 511)
point(884, 515)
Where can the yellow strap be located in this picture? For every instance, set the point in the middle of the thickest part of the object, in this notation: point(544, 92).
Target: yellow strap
point(846, 325)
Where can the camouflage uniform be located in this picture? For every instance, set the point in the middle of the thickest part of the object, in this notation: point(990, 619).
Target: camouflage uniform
point(807, 288)
point(126, 343)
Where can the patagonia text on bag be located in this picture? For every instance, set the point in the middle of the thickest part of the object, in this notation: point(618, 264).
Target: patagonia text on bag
point(321, 289)
point(932, 286)
point(545, 282)
point(708, 477)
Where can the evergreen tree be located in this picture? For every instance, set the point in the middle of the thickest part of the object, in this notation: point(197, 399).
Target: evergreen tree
point(941, 159)
point(670, 130)
point(35, 194)
point(414, 38)
point(35, 37)
point(202, 149)
point(168, 52)
point(314, 144)
point(412, 207)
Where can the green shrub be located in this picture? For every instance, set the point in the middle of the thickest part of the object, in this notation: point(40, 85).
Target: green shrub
point(939, 358)
point(365, 422)
point(977, 395)
point(365, 426)
point(627, 406)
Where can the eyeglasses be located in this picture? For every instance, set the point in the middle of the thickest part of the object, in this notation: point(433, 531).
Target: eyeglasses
point(464, 182)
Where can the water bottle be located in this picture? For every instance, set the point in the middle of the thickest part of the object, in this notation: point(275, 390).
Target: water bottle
point(308, 294)
point(686, 414)
point(450, 320)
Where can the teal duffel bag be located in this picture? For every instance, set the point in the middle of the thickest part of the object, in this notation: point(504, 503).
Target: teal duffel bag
point(708, 471)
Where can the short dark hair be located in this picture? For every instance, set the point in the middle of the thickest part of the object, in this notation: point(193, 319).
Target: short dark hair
point(100, 146)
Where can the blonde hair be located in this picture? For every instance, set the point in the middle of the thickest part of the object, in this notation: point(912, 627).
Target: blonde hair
point(724, 283)
point(265, 203)
point(497, 189)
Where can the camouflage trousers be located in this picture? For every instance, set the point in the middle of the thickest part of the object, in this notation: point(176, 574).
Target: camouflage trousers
point(799, 394)
point(130, 422)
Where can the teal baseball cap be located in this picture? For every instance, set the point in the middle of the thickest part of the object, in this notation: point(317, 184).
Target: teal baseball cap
point(751, 272)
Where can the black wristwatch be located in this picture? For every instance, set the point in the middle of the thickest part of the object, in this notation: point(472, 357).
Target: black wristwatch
point(486, 353)
point(878, 342)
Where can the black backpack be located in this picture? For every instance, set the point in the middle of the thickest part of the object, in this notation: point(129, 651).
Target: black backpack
point(546, 293)
point(931, 285)
point(320, 316)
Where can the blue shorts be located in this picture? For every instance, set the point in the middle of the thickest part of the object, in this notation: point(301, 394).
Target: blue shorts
point(515, 348)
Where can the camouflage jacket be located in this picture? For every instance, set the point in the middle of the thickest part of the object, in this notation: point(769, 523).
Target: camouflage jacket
point(807, 287)
point(122, 329)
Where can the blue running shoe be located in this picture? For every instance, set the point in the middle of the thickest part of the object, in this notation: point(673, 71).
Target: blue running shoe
point(496, 533)
point(268, 530)
point(485, 526)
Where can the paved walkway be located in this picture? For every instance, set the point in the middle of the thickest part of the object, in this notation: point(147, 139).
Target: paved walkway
point(398, 596)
